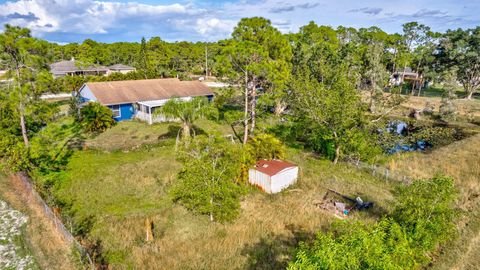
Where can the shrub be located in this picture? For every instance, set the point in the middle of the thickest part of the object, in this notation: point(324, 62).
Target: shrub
point(422, 220)
point(96, 117)
point(265, 146)
point(425, 211)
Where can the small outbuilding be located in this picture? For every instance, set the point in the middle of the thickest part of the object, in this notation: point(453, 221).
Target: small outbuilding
point(273, 176)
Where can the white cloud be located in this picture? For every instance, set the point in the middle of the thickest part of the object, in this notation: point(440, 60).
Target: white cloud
point(88, 16)
point(115, 20)
point(214, 26)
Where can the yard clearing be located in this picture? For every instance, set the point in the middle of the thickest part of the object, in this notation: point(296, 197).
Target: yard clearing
point(460, 160)
point(112, 194)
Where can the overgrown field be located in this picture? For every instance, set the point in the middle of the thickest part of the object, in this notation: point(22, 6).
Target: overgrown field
point(111, 194)
point(461, 160)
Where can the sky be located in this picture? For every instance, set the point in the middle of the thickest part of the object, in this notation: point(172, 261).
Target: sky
point(65, 21)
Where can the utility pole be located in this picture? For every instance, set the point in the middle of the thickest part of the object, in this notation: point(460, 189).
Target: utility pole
point(206, 62)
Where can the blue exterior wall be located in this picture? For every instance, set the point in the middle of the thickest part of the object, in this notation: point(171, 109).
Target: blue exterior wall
point(127, 111)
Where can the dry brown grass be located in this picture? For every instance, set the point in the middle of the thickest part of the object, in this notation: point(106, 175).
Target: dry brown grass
point(123, 189)
point(50, 250)
point(460, 160)
point(463, 106)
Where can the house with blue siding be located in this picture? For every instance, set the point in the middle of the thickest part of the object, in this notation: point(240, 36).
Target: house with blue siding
point(140, 98)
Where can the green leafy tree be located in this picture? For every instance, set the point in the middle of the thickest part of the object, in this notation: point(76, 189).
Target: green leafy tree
point(260, 31)
point(257, 56)
point(96, 118)
point(21, 54)
point(461, 49)
point(143, 58)
point(187, 112)
point(207, 183)
point(334, 110)
point(242, 63)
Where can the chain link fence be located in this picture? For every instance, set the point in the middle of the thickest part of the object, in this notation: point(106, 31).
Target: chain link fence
point(382, 172)
point(59, 226)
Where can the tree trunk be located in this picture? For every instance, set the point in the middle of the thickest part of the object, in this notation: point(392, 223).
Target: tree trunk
point(253, 106)
point(337, 153)
point(186, 130)
point(337, 148)
point(21, 109)
point(211, 209)
point(279, 107)
point(245, 114)
point(24, 130)
point(470, 95)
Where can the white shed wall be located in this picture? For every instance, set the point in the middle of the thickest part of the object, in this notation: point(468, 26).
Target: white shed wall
point(284, 179)
point(259, 179)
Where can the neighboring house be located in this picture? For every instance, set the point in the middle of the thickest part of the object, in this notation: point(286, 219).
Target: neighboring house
point(72, 67)
point(405, 75)
point(121, 68)
point(140, 98)
point(272, 176)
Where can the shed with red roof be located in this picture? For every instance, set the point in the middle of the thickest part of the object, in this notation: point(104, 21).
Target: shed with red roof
point(273, 176)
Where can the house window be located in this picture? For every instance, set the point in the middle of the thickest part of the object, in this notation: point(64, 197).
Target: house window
point(115, 111)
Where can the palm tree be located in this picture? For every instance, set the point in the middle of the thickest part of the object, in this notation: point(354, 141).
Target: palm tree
point(187, 112)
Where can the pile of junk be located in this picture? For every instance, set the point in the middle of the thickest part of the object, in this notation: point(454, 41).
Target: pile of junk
point(341, 205)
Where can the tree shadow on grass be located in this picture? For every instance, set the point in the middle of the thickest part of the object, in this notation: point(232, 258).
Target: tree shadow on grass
point(173, 132)
point(275, 251)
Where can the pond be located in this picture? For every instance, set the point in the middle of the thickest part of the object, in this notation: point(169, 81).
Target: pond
point(400, 138)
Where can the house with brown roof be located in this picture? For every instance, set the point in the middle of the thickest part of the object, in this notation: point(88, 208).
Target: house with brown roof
point(140, 98)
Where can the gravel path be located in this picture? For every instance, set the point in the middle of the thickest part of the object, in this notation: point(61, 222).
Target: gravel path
point(12, 254)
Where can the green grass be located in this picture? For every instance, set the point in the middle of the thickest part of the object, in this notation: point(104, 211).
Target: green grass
point(131, 135)
point(117, 190)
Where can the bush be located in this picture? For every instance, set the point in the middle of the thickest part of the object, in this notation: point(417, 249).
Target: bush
point(96, 117)
point(425, 211)
point(265, 146)
point(422, 220)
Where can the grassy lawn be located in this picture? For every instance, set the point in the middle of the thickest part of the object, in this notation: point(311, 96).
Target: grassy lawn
point(130, 135)
point(114, 193)
point(461, 160)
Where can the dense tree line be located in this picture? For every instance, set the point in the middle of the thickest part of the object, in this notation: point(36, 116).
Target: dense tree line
point(274, 70)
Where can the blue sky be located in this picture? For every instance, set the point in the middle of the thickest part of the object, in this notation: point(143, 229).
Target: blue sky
point(209, 20)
